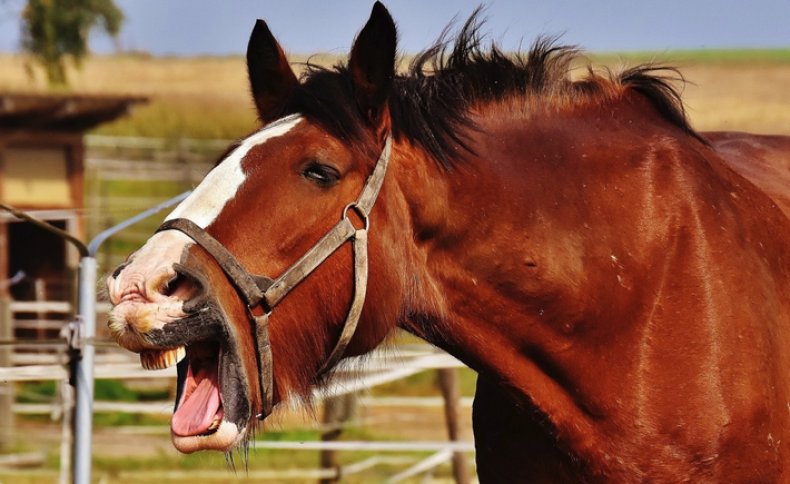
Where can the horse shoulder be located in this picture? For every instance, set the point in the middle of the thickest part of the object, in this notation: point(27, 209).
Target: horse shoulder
point(764, 160)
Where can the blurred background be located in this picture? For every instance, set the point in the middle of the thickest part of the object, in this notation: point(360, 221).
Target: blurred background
point(110, 107)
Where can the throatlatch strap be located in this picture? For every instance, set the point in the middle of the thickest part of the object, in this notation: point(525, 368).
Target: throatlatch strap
point(360, 290)
point(265, 364)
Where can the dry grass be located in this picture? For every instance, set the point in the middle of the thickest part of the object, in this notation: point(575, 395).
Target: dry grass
point(738, 96)
point(197, 97)
point(209, 98)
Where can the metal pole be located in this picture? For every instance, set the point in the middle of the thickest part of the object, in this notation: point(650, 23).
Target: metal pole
point(83, 410)
point(6, 389)
point(82, 370)
point(66, 431)
point(93, 246)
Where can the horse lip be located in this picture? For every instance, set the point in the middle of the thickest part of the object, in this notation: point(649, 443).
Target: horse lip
point(225, 438)
point(196, 305)
point(133, 295)
point(201, 324)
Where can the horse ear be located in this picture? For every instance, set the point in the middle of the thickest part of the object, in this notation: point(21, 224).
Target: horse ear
point(271, 78)
point(372, 64)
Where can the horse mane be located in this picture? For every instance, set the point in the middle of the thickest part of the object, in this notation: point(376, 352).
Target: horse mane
point(432, 103)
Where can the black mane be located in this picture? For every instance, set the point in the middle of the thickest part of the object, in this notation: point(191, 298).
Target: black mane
point(430, 104)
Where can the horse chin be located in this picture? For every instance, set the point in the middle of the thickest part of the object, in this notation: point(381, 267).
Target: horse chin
point(226, 438)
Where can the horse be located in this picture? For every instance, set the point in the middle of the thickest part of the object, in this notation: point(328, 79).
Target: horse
point(618, 280)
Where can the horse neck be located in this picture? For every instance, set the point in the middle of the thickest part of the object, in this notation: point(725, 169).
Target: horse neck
point(579, 257)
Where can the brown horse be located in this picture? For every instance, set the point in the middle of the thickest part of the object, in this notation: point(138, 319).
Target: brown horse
point(622, 291)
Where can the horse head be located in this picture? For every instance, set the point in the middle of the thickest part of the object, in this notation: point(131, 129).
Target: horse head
point(281, 221)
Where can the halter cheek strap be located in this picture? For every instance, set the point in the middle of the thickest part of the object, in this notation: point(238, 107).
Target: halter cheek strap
point(261, 294)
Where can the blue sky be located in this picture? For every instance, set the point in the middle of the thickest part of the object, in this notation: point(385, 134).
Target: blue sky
point(192, 27)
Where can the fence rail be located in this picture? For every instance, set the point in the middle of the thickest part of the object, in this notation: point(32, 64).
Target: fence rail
point(360, 376)
point(62, 307)
point(165, 407)
point(146, 170)
point(158, 144)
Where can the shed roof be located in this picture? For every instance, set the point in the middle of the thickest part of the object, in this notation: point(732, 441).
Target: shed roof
point(61, 112)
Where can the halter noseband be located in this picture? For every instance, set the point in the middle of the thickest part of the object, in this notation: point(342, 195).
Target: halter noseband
point(261, 294)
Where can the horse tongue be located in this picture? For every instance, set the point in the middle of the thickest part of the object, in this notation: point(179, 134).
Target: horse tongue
point(197, 412)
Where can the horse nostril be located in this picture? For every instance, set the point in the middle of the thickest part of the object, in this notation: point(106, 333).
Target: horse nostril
point(119, 269)
point(183, 285)
point(174, 284)
point(189, 285)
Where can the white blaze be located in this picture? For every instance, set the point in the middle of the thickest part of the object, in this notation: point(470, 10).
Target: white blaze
point(206, 201)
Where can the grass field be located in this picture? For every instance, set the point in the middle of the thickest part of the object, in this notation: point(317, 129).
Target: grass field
point(208, 97)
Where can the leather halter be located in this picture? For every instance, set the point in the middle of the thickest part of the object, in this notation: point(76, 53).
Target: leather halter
point(261, 294)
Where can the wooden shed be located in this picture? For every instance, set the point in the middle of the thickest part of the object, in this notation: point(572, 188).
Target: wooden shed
point(41, 170)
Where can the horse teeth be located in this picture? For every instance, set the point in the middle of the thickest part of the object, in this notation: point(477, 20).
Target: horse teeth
point(180, 354)
point(214, 425)
point(159, 360)
point(148, 359)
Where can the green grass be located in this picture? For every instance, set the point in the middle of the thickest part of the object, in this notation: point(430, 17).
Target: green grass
point(109, 390)
point(260, 458)
point(105, 390)
point(697, 56)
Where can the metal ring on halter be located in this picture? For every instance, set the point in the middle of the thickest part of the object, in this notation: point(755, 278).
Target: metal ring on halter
point(358, 211)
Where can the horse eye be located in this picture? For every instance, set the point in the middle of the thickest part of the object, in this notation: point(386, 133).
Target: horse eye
point(322, 175)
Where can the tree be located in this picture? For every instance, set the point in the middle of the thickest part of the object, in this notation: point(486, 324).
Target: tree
point(55, 30)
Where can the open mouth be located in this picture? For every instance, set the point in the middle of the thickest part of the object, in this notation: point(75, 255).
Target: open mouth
point(213, 406)
point(199, 410)
point(210, 413)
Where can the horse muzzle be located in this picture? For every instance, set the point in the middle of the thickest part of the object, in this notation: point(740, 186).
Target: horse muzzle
point(162, 311)
point(150, 296)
